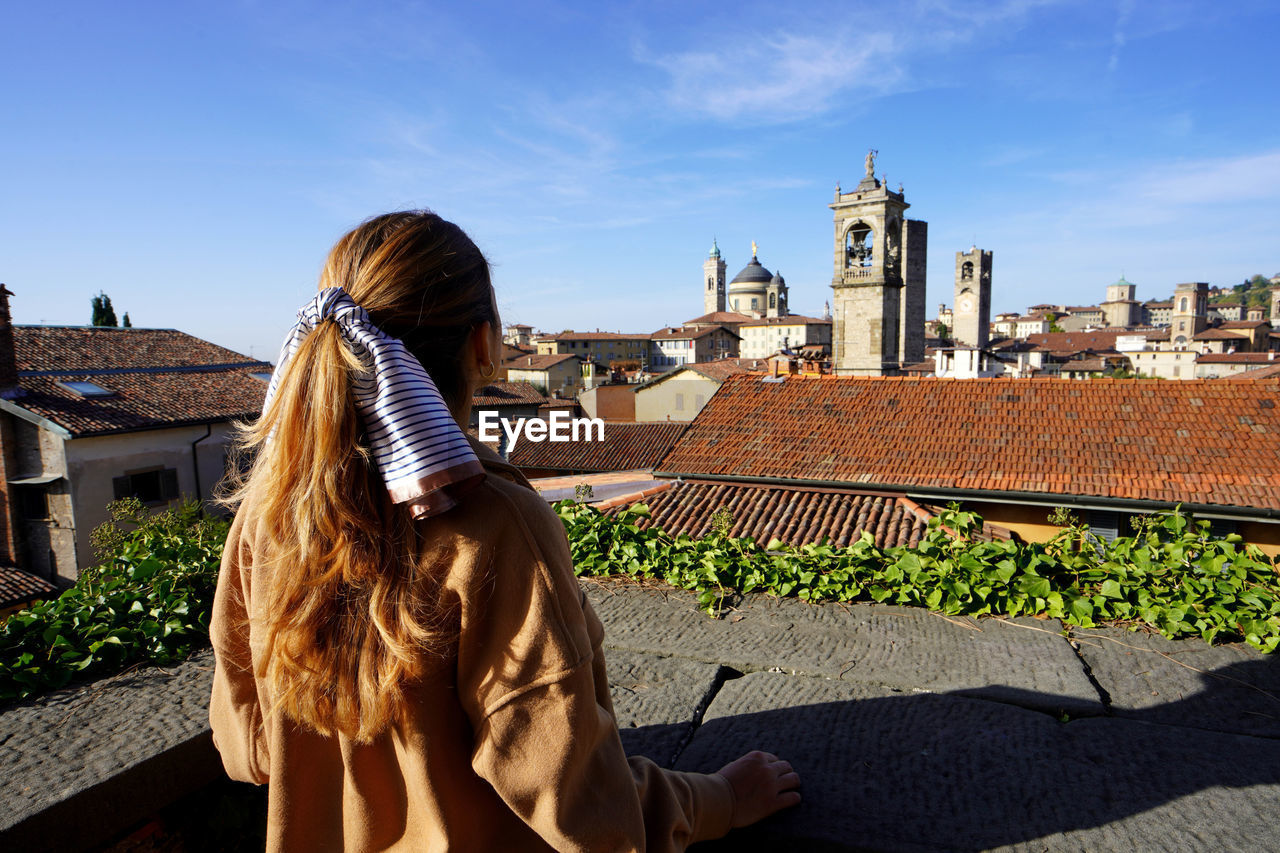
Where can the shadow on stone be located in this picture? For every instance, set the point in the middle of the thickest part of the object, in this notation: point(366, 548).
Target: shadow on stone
point(893, 771)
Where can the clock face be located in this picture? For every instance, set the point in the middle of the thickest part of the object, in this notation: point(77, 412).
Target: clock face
point(965, 304)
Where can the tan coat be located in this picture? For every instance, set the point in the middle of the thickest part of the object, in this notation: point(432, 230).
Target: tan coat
point(510, 744)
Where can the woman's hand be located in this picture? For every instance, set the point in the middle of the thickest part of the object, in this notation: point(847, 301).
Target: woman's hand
point(762, 784)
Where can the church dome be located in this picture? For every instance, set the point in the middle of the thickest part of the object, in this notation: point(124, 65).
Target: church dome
point(777, 279)
point(753, 273)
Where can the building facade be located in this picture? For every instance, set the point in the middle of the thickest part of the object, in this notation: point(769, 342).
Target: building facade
point(762, 338)
point(91, 415)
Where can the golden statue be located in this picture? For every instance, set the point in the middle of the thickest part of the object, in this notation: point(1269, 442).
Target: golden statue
point(753, 248)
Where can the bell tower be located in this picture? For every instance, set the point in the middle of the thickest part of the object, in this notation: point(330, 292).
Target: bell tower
point(1190, 313)
point(875, 327)
point(971, 317)
point(713, 281)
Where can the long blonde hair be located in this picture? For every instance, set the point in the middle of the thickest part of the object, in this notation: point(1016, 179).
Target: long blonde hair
point(350, 611)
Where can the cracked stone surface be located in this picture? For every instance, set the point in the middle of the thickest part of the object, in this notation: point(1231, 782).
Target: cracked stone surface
point(1231, 688)
point(1026, 662)
point(657, 699)
point(885, 770)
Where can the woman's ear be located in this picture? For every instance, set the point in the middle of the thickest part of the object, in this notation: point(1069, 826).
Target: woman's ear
point(483, 351)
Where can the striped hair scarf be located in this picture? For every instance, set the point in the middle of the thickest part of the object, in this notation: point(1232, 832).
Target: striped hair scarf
point(423, 455)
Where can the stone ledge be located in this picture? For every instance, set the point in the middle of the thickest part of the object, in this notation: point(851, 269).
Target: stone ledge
point(84, 763)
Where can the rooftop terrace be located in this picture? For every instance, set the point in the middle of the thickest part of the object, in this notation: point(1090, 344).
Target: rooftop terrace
point(911, 732)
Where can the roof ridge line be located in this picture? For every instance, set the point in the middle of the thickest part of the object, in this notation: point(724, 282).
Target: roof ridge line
point(116, 371)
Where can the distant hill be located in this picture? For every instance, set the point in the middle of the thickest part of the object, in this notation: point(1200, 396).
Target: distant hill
point(1252, 291)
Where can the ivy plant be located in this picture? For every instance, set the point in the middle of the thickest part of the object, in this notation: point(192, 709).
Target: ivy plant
point(147, 602)
point(1172, 574)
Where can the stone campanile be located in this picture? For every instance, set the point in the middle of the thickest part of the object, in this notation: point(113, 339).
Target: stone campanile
point(713, 281)
point(971, 317)
point(879, 277)
point(1190, 313)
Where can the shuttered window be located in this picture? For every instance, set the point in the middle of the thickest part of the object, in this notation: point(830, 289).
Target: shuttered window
point(1105, 524)
point(150, 487)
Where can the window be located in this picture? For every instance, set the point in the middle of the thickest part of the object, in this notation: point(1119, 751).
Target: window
point(679, 402)
point(86, 389)
point(755, 303)
point(773, 300)
point(1182, 305)
point(1105, 524)
point(32, 501)
point(159, 485)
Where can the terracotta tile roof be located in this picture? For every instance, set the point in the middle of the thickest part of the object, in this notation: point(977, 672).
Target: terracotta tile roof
point(1220, 335)
point(1098, 340)
point(498, 394)
point(719, 317)
point(18, 588)
point(626, 447)
point(789, 320)
point(1151, 303)
point(1243, 324)
point(671, 333)
point(1085, 365)
point(156, 378)
point(1134, 439)
point(537, 362)
point(1236, 358)
point(593, 336)
point(510, 351)
point(796, 516)
point(722, 368)
point(1269, 372)
point(144, 400)
point(68, 349)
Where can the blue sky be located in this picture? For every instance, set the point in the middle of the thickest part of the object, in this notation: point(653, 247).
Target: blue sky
point(196, 162)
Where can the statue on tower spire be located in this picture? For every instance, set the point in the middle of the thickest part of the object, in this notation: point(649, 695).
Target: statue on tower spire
point(870, 163)
point(753, 248)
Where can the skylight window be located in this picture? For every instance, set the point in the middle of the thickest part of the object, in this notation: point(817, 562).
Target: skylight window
point(86, 389)
point(265, 377)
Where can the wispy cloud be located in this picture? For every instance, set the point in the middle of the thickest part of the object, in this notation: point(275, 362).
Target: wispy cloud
point(1118, 37)
point(787, 77)
point(804, 72)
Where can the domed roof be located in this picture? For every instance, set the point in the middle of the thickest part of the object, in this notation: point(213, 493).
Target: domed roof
point(715, 250)
point(777, 278)
point(753, 273)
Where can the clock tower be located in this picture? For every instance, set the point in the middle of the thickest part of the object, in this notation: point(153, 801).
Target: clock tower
point(971, 319)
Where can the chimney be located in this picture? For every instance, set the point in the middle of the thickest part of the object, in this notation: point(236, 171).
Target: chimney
point(8, 357)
